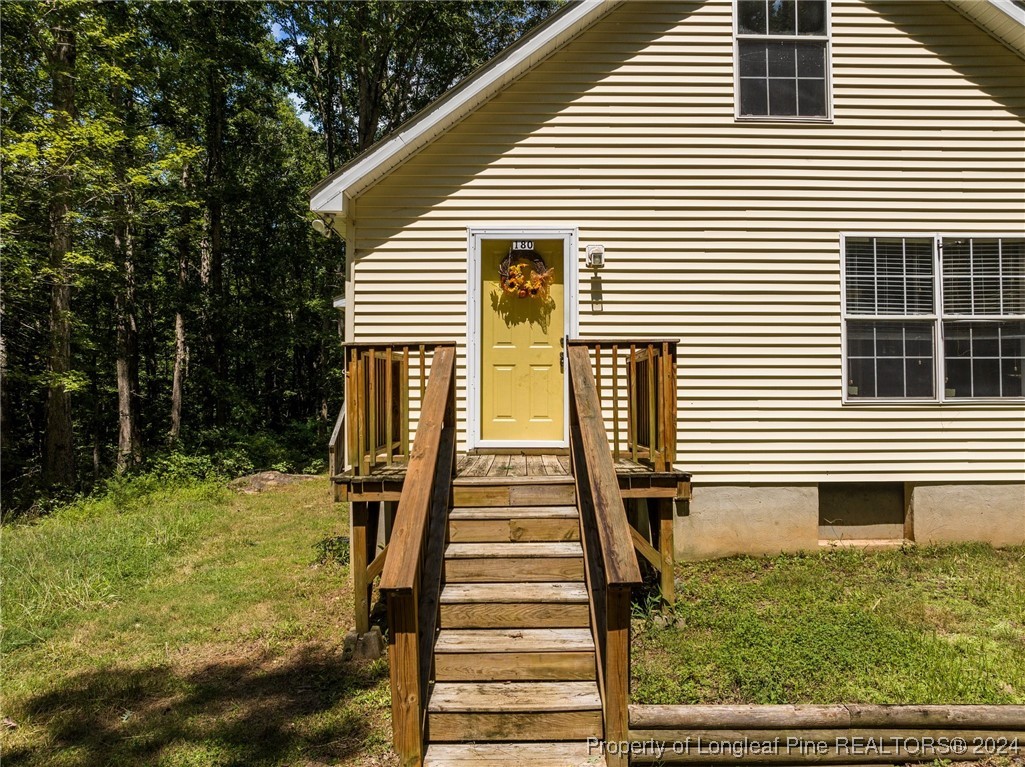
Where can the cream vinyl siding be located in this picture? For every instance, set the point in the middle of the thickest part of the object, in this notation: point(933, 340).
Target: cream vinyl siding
point(726, 233)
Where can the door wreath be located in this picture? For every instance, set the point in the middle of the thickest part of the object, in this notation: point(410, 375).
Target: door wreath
point(524, 274)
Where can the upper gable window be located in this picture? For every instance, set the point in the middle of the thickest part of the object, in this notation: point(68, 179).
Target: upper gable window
point(782, 59)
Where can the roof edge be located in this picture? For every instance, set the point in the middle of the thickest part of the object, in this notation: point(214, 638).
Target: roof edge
point(1003, 20)
point(330, 195)
point(333, 194)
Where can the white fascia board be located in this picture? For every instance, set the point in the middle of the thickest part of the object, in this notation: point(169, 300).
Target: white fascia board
point(331, 198)
point(1002, 19)
point(1016, 12)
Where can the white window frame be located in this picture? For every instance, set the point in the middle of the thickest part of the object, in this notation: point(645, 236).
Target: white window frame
point(827, 39)
point(937, 318)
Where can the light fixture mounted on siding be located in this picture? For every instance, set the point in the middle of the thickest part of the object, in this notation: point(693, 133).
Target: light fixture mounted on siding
point(595, 257)
point(323, 225)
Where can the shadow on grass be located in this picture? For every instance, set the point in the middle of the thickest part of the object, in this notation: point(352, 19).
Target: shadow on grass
point(306, 708)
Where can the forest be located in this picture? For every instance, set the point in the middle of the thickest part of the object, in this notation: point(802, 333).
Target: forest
point(165, 301)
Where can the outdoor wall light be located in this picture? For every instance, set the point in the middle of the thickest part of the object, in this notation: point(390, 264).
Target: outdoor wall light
point(322, 225)
point(595, 257)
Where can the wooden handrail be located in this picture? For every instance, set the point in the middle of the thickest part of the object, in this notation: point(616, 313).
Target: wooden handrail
point(411, 518)
point(411, 580)
point(613, 529)
point(636, 383)
point(610, 565)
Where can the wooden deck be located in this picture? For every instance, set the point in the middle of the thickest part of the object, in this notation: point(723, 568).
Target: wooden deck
point(636, 480)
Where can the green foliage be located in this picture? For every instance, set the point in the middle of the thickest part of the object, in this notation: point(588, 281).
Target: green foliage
point(919, 625)
point(187, 167)
point(362, 69)
point(333, 550)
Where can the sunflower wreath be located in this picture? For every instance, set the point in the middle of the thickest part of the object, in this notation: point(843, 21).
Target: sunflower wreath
point(530, 278)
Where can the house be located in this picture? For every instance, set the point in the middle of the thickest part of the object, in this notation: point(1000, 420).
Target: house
point(829, 218)
point(822, 202)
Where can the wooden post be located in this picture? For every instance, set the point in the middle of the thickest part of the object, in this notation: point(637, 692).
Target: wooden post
point(389, 402)
point(406, 694)
point(372, 407)
point(631, 398)
point(351, 425)
point(671, 436)
point(652, 440)
point(361, 413)
point(665, 546)
point(404, 383)
point(617, 671)
point(358, 562)
point(423, 378)
point(615, 399)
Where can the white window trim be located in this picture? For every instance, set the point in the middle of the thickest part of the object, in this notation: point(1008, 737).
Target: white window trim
point(937, 318)
point(827, 38)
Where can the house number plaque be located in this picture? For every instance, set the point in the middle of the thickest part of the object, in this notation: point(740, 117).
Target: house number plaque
point(523, 245)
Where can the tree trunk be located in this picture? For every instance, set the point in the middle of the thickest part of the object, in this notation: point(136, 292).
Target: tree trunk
point(4, 402)
point(181, 349)
point(213, 257)
point(129, 441)
point(58, 450)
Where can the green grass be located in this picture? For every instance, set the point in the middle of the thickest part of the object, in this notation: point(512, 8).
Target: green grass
point(193, 625)
point(917, 625)
point(187, 626)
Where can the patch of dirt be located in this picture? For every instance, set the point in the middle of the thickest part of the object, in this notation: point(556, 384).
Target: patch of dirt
point(267, 480)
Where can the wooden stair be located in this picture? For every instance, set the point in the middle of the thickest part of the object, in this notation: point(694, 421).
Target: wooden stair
point(514, 659)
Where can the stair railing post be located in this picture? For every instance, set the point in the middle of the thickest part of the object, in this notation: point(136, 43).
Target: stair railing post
point(407, 704)
point(617, 674)
point(359, 545)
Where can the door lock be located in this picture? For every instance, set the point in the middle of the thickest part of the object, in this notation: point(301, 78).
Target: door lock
point(562, 362)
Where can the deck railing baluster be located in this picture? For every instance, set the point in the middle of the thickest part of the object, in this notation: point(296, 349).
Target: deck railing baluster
point(404, 419)
point(389, 433)
point(631, 395)
point(615, 399)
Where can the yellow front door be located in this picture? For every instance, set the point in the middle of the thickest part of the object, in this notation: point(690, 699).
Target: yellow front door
point(521, 330)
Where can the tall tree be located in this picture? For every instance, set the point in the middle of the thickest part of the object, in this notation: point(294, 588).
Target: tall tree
point(59, 465)
point(362, 68)
point(160, 273)
point(129, 446)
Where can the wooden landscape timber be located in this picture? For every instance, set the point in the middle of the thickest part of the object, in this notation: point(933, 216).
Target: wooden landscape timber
point(823, 734)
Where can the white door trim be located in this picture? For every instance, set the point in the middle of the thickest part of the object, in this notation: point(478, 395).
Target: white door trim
point(474, 286)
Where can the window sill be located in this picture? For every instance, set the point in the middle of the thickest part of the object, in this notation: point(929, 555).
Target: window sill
point(783, 120)
point(919, 402)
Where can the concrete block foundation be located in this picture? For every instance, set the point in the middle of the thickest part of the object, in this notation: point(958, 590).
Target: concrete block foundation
point(953, 513)
point(727, 520)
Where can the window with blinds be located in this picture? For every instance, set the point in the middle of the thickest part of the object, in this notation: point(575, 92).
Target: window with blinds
point(907, 297)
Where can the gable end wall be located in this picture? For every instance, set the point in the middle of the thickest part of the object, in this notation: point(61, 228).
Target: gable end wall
point(726, 233)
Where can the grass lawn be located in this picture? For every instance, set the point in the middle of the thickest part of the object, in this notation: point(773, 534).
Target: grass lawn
point(195, 626)
point(202, 626)
point(916, 625)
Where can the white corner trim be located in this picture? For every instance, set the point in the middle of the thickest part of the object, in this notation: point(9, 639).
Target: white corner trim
point(452, 106)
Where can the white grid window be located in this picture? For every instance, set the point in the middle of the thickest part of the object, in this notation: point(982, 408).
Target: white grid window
point(906, 297)
point(782, 58)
